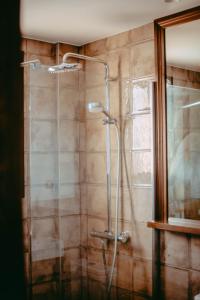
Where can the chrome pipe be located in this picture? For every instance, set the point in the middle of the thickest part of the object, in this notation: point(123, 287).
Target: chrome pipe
point(107, 112)
point(33, 62)
point(83, 57)
point(108, 147)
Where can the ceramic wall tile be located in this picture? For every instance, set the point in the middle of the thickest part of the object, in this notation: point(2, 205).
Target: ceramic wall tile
point(65, 48)
point(95, 73)
point(174, 283)
point(72, 289)
point(43, 208)
point(69, 167)
point(69, 135)
point(142, 204)
point(70, 231)
point(95, 48)
point(125, 207)
point(124, 62)
point(43, 168)
point(68, 103)
point(96, 135)
point(142, 33)
point(175, 250)
point(71, 264)
point(142, 60)
point(96, 200)
point(45, 228)
point(195, 248)
point(141, 240)
point(40, 48)
point(45, 270)
point(42, 102)
point(142, 276)
point(71, 204)
point(125, 272)
point(47, 289)
point(43, 136)
point(114, 64)
point(96, 168)
point(117, 41)
point(96, 268)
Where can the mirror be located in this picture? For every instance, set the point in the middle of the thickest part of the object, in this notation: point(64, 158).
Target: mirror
point(177, 122)
point(182, 45)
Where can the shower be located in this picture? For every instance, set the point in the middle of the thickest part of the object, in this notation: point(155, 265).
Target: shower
point(97, 107)
point(64, 67)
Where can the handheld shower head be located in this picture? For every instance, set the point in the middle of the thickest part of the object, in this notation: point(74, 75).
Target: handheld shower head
point(64, 67)
point(97, 107)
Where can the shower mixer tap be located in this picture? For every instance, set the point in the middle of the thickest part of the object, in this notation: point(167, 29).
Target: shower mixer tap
point(123, 237)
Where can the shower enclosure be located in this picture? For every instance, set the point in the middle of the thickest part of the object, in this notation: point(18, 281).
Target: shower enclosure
point(60, 178)
point(53, 186)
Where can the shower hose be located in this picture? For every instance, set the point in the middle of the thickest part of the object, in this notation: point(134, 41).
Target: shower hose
point(116, 206)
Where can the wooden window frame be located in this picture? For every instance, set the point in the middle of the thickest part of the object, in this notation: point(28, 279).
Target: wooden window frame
point(161, 220)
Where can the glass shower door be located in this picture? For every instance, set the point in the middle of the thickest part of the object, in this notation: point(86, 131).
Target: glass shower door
point(46, 246)
point(53, 149)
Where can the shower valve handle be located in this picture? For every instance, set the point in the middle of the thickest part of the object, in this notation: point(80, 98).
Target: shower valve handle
point(124, 237)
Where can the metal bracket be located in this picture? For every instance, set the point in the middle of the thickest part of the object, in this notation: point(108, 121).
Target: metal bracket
point(109, 121)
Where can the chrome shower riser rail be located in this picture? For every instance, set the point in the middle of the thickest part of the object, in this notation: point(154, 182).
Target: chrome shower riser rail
point(66, 57)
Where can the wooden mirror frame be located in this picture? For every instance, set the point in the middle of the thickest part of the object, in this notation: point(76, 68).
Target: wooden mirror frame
point(160, 132)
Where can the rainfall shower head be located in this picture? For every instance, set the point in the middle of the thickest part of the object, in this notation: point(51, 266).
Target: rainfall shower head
point(97, 107)
point(64, 67)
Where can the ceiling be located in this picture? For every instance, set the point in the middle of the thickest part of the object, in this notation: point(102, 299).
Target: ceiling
point(78, 22)
point(183, 45)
